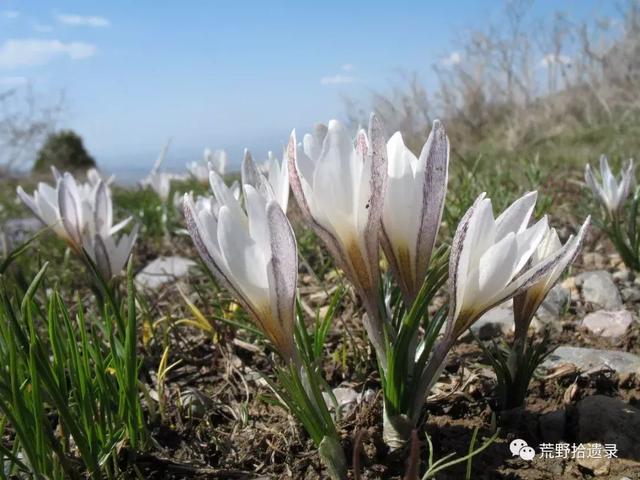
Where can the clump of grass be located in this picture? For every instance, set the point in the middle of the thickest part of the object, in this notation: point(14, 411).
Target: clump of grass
point(69, 388)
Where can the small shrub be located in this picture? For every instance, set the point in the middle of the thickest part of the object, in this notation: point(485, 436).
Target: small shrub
point(65, 151)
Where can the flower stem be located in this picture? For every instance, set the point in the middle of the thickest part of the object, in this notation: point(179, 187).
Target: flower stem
point(332, 456)
point(396, 429)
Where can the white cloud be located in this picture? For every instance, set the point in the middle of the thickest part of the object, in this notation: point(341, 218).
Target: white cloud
point(336, 79)
point(453, 59)
point(15, 53)
point(11, 82)
point(10, 14)
point(82, 21)
point(42, 28)
point(347, 67)
point(552, 58)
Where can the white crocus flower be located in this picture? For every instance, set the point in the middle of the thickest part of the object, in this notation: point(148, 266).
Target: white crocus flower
point(488, 266)
point(488, 257)
point(235, 189)
point(199, 171)
point(44, 205)
point(275, 183)
point(82, 215)
point(611, 192)
point(413, 206)
point(526, 303)
point(252, 253)
point(206, 201)
point(216, 161)
point(160, 182)
point(339, 185)
point(93, 177)
point(278, 178)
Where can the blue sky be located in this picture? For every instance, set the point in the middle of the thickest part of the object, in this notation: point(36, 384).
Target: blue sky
point(224, 74)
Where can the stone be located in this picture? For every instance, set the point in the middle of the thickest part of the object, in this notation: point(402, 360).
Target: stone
point(608, 324)
point(556, 302)
point(163, 270)
point(497, 321)
point(599, 289)
point(347, 399)
point(630, 294)
point(622, 275)
point(609, 420)
point(553, 307)
point(19, 230)
point(589, 358)
point(597, 464)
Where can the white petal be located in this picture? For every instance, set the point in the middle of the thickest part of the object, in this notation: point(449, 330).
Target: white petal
point(243, 258)
point(400, 216)
point(433, 174)
point(70, 209)
point(462, 252)
point(609, 182)
point(50, 215)
point(256, 210)
point(594, 185)
point(482, 231)
point(549, 244)
point(337, 176)
point(30, 202)
point(282, 272)
point(529, 240)
point(249, 172)
point(495, 270)
point(516, 217)
point(224, 196)
point(119, 226)
point(102, 210)
point(101, 256)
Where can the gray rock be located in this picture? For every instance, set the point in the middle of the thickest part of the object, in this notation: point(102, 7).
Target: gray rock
point(589, 358)
point(347, 399)
point(630, 294)
point(608, 324)
point(622, 275)
point(19, 230)
point(163, 270)
point(609, 420)
point(556, 302)
point(495, 322)
point(599, 289)
point(553, 307)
